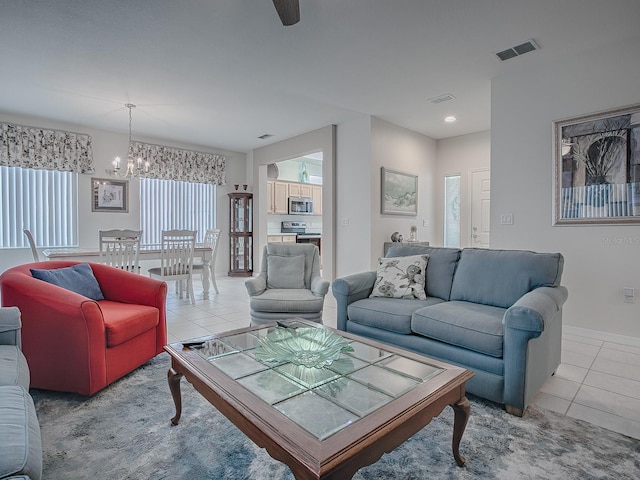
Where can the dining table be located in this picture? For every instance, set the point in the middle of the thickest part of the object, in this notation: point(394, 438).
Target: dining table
point(146, 252)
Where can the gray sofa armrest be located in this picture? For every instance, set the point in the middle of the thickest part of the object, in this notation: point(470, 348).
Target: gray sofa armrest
point(533, 310)
point(348, 289)
point(10, 325)
point(256, 285)
point(319, 286)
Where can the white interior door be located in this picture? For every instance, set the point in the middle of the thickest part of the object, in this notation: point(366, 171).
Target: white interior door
point(480, 205)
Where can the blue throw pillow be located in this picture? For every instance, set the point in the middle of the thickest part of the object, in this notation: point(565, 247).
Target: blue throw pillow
point(79, 279)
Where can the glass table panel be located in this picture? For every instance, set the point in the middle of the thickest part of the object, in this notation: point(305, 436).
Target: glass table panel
point(213, 348)
point(271, 386)
point(384, 380)
point(308, 376)
point(418, 370)
point(345, 364)
point(316, 414)
point(353, 396)
point(237, 365)
point(368, 353)
point(242, 341)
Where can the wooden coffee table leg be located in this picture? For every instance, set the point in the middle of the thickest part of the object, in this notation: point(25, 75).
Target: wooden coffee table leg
point(461, 411)
point(174, 385)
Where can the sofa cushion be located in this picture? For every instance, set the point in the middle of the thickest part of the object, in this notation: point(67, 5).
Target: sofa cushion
point(13, 367)
point(78, 278)
point(391, 314)
point(285, 271)
point(501, 277)
point(440, 270)
point(20, 441)
point(289, 300)
point(124, 321)
point(401, 277)
point(468, 325)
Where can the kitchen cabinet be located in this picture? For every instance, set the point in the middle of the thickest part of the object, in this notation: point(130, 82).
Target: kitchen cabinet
point(300, 190)
point(240, 234)
point(281, 239)
point(316, 196)
point(270, 205)
point(277, 197)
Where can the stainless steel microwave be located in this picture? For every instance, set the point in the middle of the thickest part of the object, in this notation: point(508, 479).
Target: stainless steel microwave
point(300, 206)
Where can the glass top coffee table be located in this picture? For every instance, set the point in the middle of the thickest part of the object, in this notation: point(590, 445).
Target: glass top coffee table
point(322, 401)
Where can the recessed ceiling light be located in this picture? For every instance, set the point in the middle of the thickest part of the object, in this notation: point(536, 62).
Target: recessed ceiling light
point(450, 119)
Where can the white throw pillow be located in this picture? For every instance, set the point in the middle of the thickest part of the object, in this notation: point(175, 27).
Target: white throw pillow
point(401, 277)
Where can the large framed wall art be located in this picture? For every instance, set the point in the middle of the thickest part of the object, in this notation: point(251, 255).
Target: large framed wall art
point(399, 193)
point(597, 168)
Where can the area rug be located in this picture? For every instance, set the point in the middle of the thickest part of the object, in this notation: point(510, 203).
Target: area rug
point(124, 432)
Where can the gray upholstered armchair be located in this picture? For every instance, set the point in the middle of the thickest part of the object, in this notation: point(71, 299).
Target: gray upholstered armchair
point(289, 284)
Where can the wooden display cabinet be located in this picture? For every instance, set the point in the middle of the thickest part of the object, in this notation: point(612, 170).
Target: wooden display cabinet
point(240, 234)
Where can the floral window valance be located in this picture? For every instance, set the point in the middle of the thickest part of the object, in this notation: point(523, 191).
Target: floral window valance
point(44, 149)
point(177, 164)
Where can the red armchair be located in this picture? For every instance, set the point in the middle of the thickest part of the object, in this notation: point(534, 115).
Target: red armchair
point(75, 344)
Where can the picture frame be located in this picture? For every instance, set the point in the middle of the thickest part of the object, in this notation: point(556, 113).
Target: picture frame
point(398, 193)
point(596, 160)
point(108, 195)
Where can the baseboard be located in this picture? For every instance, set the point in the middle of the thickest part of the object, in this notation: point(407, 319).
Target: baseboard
point(603, 336)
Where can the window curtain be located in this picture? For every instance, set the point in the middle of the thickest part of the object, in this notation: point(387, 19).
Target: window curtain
point(43, 149)
point(183, 165)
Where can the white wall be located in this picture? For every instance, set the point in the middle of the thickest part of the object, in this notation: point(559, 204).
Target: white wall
point(364, 146)
point(599, 260)
point(107, 145)
point(353, 196)
point(397, 148)
point(459, 155)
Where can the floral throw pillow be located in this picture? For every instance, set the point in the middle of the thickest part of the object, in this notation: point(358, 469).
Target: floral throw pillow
point(401, 277)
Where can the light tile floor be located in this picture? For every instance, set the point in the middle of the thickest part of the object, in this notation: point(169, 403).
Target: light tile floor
point(598, 381)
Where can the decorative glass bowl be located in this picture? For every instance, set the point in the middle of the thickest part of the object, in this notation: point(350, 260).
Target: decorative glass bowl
point(308, 347)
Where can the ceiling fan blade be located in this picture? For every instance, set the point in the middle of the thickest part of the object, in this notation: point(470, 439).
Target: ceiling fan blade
point(288, 11)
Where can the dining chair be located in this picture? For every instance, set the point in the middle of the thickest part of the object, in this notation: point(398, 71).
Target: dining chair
point(176, 259)
point(32, 244)
point(120, 249)
point(210, 241)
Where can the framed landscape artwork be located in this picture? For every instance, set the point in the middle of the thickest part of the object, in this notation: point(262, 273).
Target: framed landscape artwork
point(597, 168)
point(399, 193)
point(109, 195)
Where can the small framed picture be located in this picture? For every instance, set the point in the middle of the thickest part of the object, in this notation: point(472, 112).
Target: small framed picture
point(109, 195)
point(398, 193)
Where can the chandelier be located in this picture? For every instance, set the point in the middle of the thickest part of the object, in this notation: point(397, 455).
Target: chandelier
point(134, 167)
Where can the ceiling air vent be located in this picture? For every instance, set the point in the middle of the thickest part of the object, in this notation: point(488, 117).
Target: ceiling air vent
point(265, 136)
point(528, 46)
point(445, 97)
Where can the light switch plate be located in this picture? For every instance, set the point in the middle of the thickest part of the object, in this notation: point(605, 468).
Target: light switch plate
point(506, 219)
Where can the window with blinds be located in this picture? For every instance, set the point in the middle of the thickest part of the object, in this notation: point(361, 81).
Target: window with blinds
point(170, 204)
point(43, 201)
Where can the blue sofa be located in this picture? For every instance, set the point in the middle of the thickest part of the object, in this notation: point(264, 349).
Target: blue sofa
point(495, 312)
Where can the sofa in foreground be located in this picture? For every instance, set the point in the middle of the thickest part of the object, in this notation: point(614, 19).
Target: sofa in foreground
point(20, 441)
point(78, 344)
point(495, 312)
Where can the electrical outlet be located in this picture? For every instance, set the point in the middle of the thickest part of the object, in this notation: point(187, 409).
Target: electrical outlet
point(628, 294)
point(506, 219)
point(425, 223)
point(345, 221)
